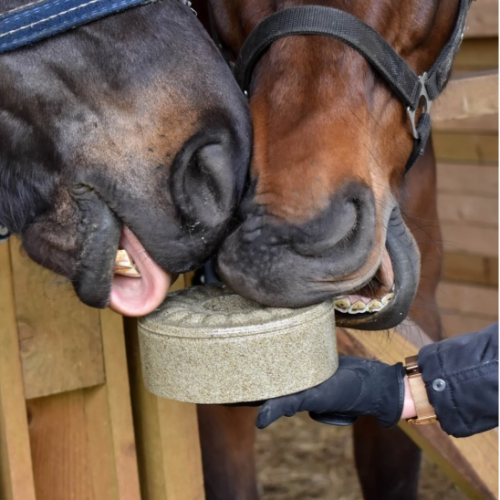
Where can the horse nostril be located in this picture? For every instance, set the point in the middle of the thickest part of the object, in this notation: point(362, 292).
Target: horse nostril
point(212, 168)
point(348, 212)
point(203, 181)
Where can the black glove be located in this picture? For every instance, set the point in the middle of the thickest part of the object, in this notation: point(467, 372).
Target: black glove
point(359, 387)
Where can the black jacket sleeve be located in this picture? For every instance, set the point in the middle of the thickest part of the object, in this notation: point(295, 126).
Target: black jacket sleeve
point(461, 377)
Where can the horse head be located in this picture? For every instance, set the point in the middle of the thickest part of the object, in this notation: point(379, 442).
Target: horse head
point(321, 217)
point(128, 132)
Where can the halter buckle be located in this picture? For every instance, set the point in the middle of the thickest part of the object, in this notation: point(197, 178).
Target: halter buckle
point(189, 4)
point(426, 105)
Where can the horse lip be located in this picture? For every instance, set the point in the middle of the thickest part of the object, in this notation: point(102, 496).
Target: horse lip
point(405, 260)
point(95, 266)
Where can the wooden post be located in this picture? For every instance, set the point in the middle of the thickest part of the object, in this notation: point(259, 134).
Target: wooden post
point(118, 403)
point(16, 472)
point(168, 445)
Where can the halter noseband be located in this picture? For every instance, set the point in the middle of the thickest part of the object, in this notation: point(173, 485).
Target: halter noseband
point(328, 21)
point(42, 19)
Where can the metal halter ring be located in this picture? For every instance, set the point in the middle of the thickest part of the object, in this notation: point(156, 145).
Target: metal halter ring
point(428, 103)
point(4, 233)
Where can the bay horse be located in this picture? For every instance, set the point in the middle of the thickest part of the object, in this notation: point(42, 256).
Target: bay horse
point(322, 209)
point(128, 132)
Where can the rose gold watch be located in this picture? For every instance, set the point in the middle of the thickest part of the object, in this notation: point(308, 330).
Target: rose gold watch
point(425, 411)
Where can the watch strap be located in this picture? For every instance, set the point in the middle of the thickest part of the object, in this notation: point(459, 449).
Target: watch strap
point(425, 411)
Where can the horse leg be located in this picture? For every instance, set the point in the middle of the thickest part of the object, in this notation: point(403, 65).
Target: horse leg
point(227, 444)
point(388, 462)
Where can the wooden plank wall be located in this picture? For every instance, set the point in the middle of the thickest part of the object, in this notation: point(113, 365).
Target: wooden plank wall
point(467, 153)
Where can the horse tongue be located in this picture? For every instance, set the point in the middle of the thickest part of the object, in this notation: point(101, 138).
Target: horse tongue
point(132, 296)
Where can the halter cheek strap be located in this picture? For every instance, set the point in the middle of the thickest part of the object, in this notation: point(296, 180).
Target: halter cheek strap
point(45, 18)
point(316, 20)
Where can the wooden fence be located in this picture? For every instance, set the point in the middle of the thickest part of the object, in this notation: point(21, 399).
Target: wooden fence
point(465, 137)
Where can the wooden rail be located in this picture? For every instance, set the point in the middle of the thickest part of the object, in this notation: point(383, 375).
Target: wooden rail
point(482, 20)
point(468, 95)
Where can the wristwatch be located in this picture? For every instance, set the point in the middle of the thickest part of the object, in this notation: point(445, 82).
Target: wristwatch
point(425, 411)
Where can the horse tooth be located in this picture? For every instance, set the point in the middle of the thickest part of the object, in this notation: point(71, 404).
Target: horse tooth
point(123, 259)
point(343, 304)
point(125, 266)
point(387, 298)
point(130, 272)
point(358, 307)
point(374, 306)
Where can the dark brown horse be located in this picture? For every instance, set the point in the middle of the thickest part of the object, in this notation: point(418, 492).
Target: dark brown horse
point(126, 132)
point(327, 186)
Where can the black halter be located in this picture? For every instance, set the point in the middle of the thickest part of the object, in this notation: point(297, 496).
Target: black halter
point(316, 20)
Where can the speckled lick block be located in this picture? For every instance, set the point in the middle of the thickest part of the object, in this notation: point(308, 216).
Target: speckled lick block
point(209, 345)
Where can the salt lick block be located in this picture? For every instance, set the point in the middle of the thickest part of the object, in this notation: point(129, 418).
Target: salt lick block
point(208, 345)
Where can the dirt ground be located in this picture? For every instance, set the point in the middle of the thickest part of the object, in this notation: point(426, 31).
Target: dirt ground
point(298, 459)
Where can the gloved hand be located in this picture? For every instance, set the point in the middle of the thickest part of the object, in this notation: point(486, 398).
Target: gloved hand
point(359, 387)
